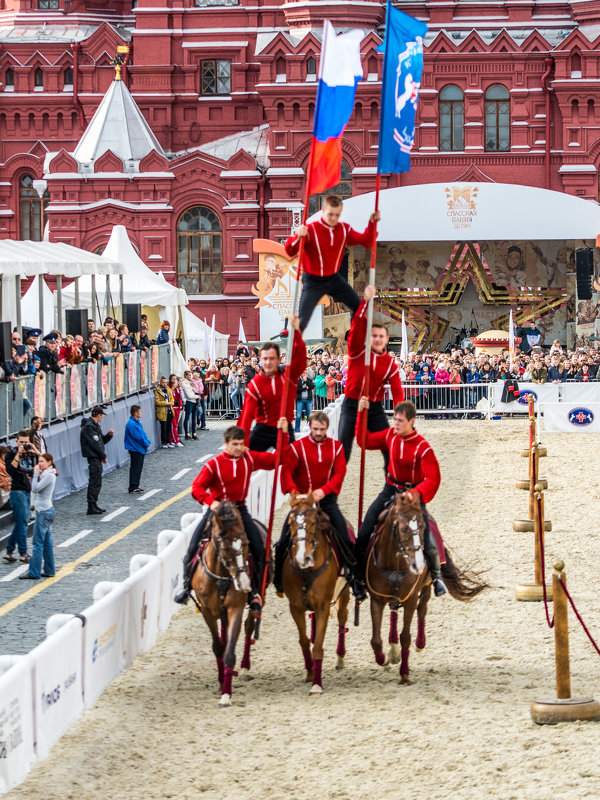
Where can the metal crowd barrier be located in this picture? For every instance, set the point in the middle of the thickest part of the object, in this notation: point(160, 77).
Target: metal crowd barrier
point(219, 401)
point(452, 400)
point(82, 386)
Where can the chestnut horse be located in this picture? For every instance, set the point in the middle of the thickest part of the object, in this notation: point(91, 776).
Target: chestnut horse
point(397, 575)
point(221, 584)
point(310, 574)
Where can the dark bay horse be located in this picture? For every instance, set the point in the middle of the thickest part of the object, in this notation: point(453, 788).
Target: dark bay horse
point(310, 574)
point(397, 575)
point(221, 584)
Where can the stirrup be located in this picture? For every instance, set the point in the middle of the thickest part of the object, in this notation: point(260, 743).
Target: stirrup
point(359, 590)
point(439, 587)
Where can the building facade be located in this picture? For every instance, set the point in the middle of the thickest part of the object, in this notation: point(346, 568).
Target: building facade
point(222, 98)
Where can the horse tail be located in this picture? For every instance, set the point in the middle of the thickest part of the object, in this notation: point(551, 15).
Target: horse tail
point(463, 584)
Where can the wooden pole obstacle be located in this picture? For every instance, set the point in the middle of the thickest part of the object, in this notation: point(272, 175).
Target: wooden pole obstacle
point(535, 591)
point(563, 707)
point(534, 452)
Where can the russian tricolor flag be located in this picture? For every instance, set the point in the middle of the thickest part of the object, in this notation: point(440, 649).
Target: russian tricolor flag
point(339, 72)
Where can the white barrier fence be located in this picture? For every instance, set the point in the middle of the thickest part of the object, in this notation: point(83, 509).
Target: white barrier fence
point(45, 691)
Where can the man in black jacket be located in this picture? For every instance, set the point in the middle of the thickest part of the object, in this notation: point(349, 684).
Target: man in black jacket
point(48, 353)
point(304, 398)
point(92, 447)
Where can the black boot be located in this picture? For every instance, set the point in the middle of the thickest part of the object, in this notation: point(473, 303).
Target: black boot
point(184, 595)
point(358, 584)
point(278, 576)
point(93, 509)
point(433, 561)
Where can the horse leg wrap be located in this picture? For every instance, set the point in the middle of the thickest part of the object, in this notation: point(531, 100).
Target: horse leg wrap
point(421, 639)
point(308, 660)
point(380, 658)
point(246, 657)
point(404, 662)
point(227, 679)
point(317, 679)
point(220, 667)
point(341, 645)
point(393, 627)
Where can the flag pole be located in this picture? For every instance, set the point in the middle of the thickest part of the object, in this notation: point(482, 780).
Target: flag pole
point(367, 375)
point(284, 399)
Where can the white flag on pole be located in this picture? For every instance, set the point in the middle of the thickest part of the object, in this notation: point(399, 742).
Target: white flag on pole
point(404, 347)
point(242, 333)
point(206, 343)
point(213, 343)
point(511, 340)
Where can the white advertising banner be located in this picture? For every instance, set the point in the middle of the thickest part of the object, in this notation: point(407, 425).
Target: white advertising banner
point(542, 392)
point(58, 685)
point(104, 642)
point(570, 418)
point(17, 754)
point(580, 392)
point(144, 601)
point(171, 579)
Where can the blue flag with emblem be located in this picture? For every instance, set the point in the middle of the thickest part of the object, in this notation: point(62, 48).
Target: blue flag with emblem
point(402, 70)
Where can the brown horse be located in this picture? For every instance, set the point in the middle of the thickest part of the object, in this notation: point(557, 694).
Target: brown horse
point(221, 584)
point(397, 575)
point(310, 574)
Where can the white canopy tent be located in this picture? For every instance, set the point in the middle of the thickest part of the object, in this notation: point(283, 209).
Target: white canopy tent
point(197, 333)
point(34, 314)
point(442, 212)
point(24, 259)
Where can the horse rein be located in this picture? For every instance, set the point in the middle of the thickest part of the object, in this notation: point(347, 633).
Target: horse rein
point(234, 570)
point(395, 577)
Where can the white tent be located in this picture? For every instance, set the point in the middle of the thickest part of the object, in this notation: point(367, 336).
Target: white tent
point(30, 306)
point(195, 341)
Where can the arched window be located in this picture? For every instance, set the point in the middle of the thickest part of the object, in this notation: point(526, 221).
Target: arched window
point(452, 119)
point(200, 251)
point(575, 65)
point(31, 210)
point(575, 111)
point(311, 69)
point(68, 78)
point(38, 77)
point(497, 118)
point(9, 80)
point(342, 189)
point(590, 111)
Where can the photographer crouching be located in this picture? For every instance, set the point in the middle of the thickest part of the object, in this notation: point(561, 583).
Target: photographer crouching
point(20, 461)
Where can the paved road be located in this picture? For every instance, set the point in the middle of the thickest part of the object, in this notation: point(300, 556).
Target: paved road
point(92, 549)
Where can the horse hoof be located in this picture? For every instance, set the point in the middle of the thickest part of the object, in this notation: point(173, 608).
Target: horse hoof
point(405, 680)
point(245, 675)
point(225, 701)
point(419, 649)
point(315, 690)
point(340, 662)
point(386, 665)
point(394, 654)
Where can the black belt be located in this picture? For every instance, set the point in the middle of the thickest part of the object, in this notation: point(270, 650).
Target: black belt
point(398, 484)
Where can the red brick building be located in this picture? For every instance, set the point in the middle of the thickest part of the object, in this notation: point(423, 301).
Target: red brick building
point(227, 91)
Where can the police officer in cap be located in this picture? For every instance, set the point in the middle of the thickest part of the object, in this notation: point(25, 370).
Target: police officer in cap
point(48, 353)
point(92, 442)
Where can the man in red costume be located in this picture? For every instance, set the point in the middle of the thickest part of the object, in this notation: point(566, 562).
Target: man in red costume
point(383, 370)
point(412, 467)
point(227, 477)
point(262, 399)
point(316, 463)
point(326, 241)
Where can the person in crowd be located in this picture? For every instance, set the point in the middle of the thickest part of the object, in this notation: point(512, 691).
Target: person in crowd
point(36, 437)
point(163, 333)
point(426, 379)
point(321, 388)
point(17, 366)
point(176, 408)
point(304, 398)
point(382, 370)
point(163, 403)
point(93, 442)
point(109, 323)
point(557, 372)
point(234, 389)
point(412, 467)
point(325, 242)
point(539, 372)
point(454, 381)
point(531, 336)
point(202, 391)
point(331, 381)
point(584, 375)
point(49, 354)
point(264, 393)
point(137, 443)
point(5, 481)
point(241, 349)
point(442, 377)
point(91, 326)
point(125, 343)
point(226, 476)
point(143, 342)
point(19, 462)
point(41, 564)
point(190, 399)
point(114, 345)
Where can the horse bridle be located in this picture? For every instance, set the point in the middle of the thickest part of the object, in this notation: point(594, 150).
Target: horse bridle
point(301, 533)
point(234, 569)
point(308, 575)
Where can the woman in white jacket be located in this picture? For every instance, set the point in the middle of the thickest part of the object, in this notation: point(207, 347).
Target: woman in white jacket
point(42, 489)
point(191, 401)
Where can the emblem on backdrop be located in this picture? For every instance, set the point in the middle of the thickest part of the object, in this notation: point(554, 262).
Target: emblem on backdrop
point(580, 417)
point(462, 205)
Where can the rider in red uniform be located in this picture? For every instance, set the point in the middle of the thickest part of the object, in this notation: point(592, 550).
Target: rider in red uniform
point(262, 399)
point(316, 463)
point(227, 477)
point(412, 467)
point(326, 241)
point(383, 370)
